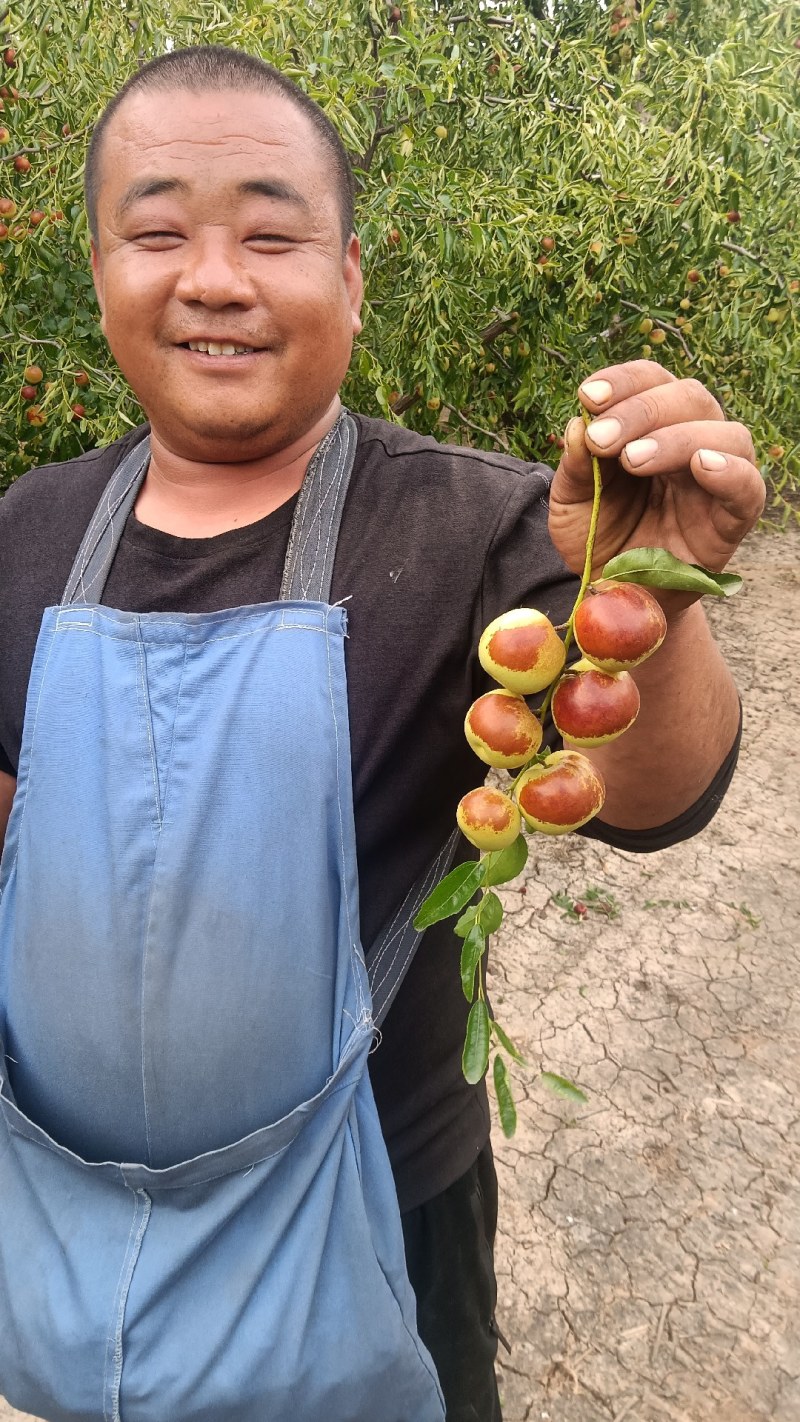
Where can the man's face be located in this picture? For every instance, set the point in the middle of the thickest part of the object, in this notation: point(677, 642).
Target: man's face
point(218, 223)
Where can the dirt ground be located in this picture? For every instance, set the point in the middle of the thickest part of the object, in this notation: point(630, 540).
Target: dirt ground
point(649, 1250)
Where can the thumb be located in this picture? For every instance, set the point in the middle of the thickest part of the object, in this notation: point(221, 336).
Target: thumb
point(574, 481)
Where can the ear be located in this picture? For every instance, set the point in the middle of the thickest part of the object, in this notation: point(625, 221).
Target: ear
point(97, 277)
point(354, 280)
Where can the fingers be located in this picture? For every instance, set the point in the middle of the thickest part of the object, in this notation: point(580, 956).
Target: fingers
point(670, 450)
point(615, 383)
point(736, 486)
point(648, 413)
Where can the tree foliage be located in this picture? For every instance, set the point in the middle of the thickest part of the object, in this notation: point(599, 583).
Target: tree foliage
point(537, 185)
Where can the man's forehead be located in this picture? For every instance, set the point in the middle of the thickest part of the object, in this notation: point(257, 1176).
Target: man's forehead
point(242, 120)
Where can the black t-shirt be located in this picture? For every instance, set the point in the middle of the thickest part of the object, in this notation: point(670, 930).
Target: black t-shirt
point(435, 542)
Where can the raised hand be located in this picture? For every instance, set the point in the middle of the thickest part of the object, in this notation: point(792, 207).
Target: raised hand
point(676, 473)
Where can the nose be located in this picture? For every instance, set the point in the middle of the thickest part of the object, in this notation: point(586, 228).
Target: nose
point(214, 272)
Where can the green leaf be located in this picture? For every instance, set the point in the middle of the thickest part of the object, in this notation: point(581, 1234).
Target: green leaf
point(657, 568)
point(491, 913)
point(471, 954)
point(506, 1109)
point(452, 894)
point(562, 1087)
point(475, 1057)
point(502, 865)
point(506, 1042)
point(465, 922)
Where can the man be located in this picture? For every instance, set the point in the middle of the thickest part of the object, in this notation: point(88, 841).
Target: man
point(227, 273)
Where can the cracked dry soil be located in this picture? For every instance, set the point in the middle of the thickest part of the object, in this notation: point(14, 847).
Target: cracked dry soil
point(649, 1248)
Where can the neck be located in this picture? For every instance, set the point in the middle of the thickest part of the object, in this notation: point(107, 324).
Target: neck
point(195, 500)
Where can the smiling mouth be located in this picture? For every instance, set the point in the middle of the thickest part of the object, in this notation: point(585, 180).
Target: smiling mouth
point(219, 348)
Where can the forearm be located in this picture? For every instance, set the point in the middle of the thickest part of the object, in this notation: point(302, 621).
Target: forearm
point(686, 726)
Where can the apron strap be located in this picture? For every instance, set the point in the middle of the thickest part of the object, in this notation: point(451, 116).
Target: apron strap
point(100, 541)
point(390, 956)
point(308, 569)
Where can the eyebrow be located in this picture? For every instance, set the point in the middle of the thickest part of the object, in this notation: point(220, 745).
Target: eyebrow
point(258, 187)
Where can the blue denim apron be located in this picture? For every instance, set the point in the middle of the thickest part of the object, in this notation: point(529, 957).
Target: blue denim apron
point(197, 1214)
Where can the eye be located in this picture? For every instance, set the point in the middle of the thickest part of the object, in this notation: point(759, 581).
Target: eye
point(163, 238)
point(270, 239)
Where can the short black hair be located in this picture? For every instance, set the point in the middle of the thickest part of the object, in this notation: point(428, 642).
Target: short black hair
point(214, 67)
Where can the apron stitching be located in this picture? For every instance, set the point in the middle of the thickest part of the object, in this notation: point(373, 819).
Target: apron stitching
point(227, 637)
point(172, 738)
point(433, 870)
point(293, 560)
point(314, 526)
point(108, 517)
point(378, 982)
point(129, 1264)
point(30, 756)
point(112, 1332)
point(147, 715)
point(354, 966)
point(331, 491)
point(375, 982)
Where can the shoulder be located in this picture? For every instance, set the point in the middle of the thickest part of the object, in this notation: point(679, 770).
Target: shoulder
point(52, 492)
point(43, 517)
point(422, 458)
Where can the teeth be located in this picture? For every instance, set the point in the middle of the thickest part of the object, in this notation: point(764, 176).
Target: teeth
point(215, 349)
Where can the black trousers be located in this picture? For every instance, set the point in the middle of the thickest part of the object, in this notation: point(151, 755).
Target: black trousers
point(449, 1253)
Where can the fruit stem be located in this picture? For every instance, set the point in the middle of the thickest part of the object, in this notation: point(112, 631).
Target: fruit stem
point(592, 534)
point(587, 569)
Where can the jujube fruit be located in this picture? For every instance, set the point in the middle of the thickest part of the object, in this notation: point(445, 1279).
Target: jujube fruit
point(82, 380)
point(28, 392)
point(488, 818)
point(619, 625)
point(22, 163)
point(522, 650)
point(78, 411)
point(560, 795)
point(502, 729)
point(591, 707)
point(33, 374)
point(35, 415)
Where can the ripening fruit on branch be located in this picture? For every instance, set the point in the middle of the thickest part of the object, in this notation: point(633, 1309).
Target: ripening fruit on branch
point(502, 729)
point(522, 650)
point(591, 707)
point(33, 374)
point(488, 818)
point(29, 392)
point(619, 625)
point(81, 379)
point(78, 411)
point(560, 795)
point(22, 163)
point(35, 415)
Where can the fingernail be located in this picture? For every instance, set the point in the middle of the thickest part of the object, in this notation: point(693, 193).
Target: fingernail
point(604, 432)
point(598, 391)
point(712, 461)
point(573, 435)
point(640, 450)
